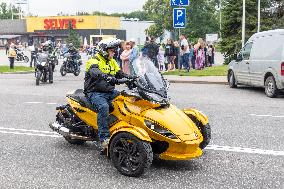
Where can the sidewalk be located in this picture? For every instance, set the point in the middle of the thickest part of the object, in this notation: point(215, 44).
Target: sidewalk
point(221, 80)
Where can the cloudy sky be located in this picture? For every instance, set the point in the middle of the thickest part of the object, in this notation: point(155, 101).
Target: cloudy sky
point(52, 7)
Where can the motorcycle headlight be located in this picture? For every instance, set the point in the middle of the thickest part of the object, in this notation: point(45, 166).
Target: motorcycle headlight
point(157, 128)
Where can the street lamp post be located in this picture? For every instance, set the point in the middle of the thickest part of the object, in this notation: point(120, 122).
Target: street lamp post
point(100, 17)
point(244, 23)
point(220, 7)
point(258, 23)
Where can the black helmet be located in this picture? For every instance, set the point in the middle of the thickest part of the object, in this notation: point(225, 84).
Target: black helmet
point(106, 44)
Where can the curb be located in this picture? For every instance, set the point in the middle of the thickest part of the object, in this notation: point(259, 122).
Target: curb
point(20, 72)
point(199, 82)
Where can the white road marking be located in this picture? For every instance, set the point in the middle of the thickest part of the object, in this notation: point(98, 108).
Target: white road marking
point(245, 150)
point(266, 116)
point(27, 132)
point(30, 134)
point(33, 102)
point(49, 103)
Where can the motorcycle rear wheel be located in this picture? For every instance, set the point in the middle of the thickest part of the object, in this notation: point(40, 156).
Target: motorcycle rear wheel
point(26, 59)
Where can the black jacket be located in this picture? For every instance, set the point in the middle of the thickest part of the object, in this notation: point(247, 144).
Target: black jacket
point(96, 80)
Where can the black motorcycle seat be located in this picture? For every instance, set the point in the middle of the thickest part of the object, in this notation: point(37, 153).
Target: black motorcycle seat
point(81, 98)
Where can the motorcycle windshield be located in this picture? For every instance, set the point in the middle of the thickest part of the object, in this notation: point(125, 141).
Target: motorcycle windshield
point(150, 79)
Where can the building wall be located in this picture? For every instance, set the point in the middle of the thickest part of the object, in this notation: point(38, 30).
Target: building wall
point(136, 30)
point(13, 26)
point(80, 22)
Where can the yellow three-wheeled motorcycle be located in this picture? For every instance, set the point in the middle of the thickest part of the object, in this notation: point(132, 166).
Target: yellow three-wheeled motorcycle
point(142, 123)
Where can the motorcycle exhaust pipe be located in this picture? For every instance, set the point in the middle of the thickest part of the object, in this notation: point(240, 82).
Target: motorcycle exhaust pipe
point(65, 132)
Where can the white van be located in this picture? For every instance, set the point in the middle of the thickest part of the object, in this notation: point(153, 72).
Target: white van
point(260, 63)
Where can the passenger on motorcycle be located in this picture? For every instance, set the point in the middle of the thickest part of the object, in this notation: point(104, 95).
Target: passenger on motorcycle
point(102, 74)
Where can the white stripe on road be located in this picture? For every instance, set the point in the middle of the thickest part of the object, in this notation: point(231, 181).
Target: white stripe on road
point(33, 102)
point(25, 130)
point(266, 116)
point(50, 103)
point(209, 147)
point(30, 134)
point(244, 150)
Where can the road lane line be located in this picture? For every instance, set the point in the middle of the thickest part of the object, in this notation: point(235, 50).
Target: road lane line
point(245, 150)
point(30, 134)
point(266, 116)
point(51, 103)
point(33, 102)
point(26, 130)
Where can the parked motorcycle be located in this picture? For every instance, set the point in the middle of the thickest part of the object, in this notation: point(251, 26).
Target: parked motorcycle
point(71, 64)
point(44, 68)
point(142, 123)
point(21, 56)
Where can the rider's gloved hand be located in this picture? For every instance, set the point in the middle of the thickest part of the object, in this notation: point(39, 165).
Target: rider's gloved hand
point(122, 81)
point(111, 80)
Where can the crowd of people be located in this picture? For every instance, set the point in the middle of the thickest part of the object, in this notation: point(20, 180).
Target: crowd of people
point(174, 55)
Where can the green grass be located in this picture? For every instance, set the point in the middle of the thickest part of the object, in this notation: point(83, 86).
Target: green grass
point(210, 71)
point(4, 69)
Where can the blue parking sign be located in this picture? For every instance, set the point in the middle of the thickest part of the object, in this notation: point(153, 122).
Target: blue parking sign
point(179, 17)
point(179, 2)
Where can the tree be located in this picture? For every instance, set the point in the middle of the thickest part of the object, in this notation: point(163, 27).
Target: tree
point(73, 37)
point(155, 31)
point(6, 11)
point(272, 17)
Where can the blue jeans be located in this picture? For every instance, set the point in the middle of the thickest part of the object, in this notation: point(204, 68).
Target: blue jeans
point(102, 102)
point(184, 61)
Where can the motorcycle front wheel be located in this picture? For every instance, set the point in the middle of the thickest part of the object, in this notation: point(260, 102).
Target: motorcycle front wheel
point(63, 71)
point(38, 74)
point(77, 72)
point(130, 155)
point(50, 74)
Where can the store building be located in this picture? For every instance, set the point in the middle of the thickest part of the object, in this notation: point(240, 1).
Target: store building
point(55, 28)
point(39, 29)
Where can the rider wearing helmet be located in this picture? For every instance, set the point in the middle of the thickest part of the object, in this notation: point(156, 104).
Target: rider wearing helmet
point(74, 54)
point(102, 74)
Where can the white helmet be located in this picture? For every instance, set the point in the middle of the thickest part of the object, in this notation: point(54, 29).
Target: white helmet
point(105, 44)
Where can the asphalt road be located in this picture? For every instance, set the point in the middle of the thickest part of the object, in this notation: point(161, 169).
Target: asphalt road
point(242, 119)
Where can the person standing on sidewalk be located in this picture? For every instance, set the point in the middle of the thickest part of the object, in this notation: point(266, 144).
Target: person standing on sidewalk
point(133, 55)
point(12, 55)
point(7, 48)
point(125, 56)
point(153, 50)
point(177, 55)
point(184, 52)
point(170, 54)
point(34, 51)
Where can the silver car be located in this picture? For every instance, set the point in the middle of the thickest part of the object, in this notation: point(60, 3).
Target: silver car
point(260, 63)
